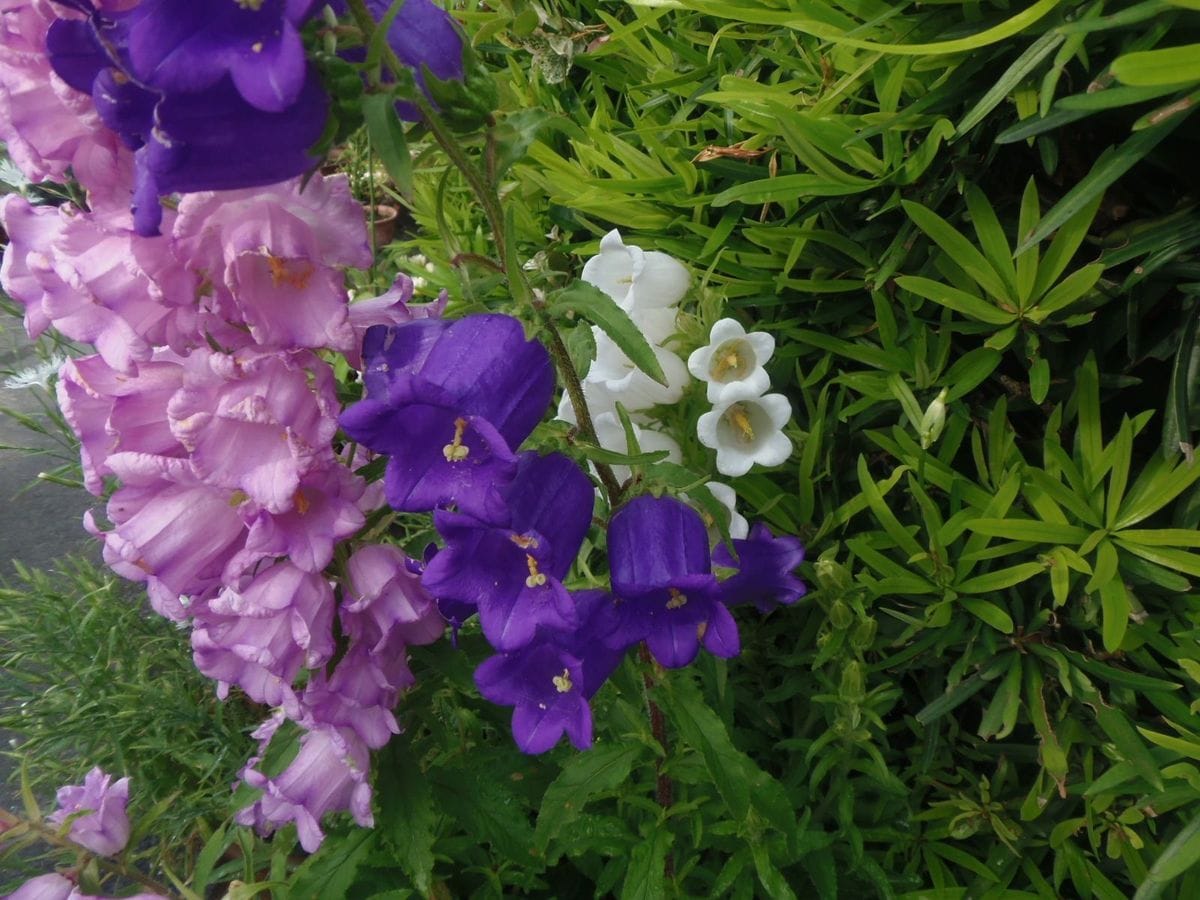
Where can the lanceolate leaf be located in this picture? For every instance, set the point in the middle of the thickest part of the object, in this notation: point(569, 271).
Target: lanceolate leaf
point(597, 307)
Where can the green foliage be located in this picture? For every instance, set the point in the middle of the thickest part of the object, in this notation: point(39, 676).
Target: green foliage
point(991, 689)
point(93, 678)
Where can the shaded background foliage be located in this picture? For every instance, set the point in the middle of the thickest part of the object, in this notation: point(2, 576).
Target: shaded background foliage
point(992, 687)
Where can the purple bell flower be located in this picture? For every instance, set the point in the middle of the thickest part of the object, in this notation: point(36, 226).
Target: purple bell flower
point(182, 84)
point(186, 46)
point(544, 685)
point(662, 578)
point(765, 564)
point(549, 681)
point(514, 575)
point(448, 402)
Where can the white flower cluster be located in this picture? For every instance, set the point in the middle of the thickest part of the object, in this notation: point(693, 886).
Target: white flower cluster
point(648, 285)
point(745, 425)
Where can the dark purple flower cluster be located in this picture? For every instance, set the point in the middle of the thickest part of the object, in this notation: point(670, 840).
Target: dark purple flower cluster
point(450, 403)
point(208, 95)
point(212, 94)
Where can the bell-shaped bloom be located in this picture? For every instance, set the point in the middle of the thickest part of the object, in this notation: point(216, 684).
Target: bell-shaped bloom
point(360, 692)
point(47, 127)
point(207, 135)
point(327, 508)
point(636, 279)
point(273, 257)
point(422, 34)
point(745, 429)
point(256, 423)
point(95, 281)
point(513, 575)
point(544, 685)
point(550, 680)
point(620, 380)
point(259, 635)
point(169, 529)
point(764, 564)
point(662, 578)
point(103, 826)
point(391, 308)
point(732, 357)
point(448, 403)
point(180, 46)
point(111, 412)
point(387, 598)
point(329, 774)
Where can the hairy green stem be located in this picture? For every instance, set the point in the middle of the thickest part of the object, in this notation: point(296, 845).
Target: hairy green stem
point(490, 202)
point(664, 790)
point(9, 820)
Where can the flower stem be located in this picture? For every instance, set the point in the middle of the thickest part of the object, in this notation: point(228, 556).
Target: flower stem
point(663, 788)
point(489, 200)
point(9, 820)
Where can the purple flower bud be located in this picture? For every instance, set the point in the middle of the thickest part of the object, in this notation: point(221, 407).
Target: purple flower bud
point(104, 826)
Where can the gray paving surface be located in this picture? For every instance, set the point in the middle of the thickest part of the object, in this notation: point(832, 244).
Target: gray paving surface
point(39, 521)
point(38, 525)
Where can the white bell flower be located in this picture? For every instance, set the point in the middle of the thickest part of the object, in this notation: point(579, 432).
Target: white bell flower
point(727, 497)
point(611, 436)
point(617, 377)
point(636, 279)
point(745, 429)
point(732, 357)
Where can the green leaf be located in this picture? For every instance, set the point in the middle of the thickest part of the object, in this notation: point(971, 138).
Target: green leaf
point(989, 613)
point(703, 730)
point(217, 844)
point(514, 135)
point(952, 298)
point(1000, 717)
point(1021, 67)
point(1039, 380)
point(1112, 164)
point(789, 187)
point(1163, 66)
point(583, 299)
point(582, 777)
point(969, 371)
point(645, 879)
point(1177, 857)
point(617, 458)
point(1185, 375)
point(388, 140)
point(1000, 579)
point(1116, 725)
point(1067, 291)
point(958, 248)
point(407, 817)
point(962, 692)
point(1030, 530)
point(331, 870)
point(1115, 607)
point(772, 880)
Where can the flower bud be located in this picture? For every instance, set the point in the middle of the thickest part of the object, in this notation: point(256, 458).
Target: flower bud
point(863, 635)
point(840, 615)
point(832, 576)
point(852, 688)
point(934, 421)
